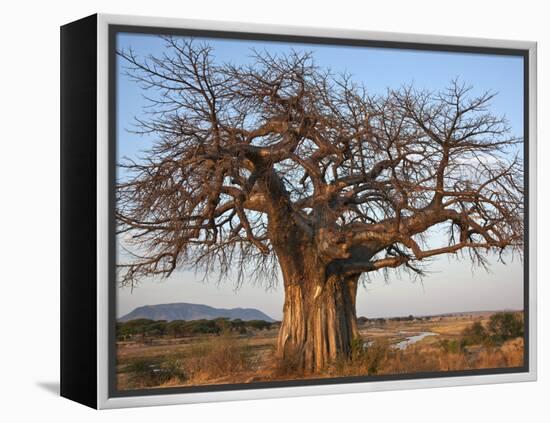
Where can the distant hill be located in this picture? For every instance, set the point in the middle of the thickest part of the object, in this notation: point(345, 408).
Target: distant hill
point(187, 311)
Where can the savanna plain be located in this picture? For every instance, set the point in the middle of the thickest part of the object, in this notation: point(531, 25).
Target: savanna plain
point(157, 354)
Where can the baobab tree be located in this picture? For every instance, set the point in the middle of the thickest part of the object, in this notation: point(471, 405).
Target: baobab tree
point(280, 163)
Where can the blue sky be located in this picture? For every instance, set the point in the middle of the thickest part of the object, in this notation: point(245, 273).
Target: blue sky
point(452, 286)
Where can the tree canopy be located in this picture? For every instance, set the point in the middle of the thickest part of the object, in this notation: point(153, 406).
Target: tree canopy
point(246, 152)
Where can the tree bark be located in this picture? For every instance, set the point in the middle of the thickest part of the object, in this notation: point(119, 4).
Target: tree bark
point(319, 319)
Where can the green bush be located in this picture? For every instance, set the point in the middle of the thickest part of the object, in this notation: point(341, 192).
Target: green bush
point(145, 328)
point(501, 327)
point(504, 326)
point(474, 334)
point(452, 346)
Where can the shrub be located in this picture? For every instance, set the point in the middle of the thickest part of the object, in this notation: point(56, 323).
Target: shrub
point(366, 358)
point(376, 354)
point(504, 326)
point(362, 320)
point(474, 334)
point(181, 328)
point(500, 328)
point(144, 373)
point(452, 346)
point(258, 324)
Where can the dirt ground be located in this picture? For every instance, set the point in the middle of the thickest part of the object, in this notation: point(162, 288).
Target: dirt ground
point(244, 358)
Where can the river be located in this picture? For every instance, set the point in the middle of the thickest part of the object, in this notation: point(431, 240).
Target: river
point(413, 340)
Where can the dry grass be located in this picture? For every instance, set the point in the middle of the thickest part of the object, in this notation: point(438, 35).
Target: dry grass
point(216, 359)
point(287, 366)
point(237, 359)
point(381, 359)
point(430, 359)
point(219, 358)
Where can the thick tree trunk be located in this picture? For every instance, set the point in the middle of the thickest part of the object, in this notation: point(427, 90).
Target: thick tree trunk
point(319, 320)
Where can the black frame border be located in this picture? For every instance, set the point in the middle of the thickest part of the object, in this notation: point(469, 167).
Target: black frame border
point(78, 211)
point(114, 29)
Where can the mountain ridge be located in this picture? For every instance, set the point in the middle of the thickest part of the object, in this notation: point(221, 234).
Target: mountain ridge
point(191, 311)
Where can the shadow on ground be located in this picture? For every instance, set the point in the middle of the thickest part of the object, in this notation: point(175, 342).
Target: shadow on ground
point(51, 387)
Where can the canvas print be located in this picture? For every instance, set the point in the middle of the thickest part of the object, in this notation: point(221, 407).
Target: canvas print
point(293, 211)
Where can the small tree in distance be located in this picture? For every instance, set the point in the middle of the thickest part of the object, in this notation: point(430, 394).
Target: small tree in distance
point(281, 164)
